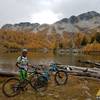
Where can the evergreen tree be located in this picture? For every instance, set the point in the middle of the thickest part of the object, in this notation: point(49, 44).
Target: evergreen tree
point(98, 37)
point(84, 41)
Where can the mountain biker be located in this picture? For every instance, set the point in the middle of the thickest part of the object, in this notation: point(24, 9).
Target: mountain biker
point(23, 64)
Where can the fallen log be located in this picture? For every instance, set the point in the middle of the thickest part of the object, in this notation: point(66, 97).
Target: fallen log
point(87, 74)
point(83, 71)
point(72, 70)
point(86, 62)
point(96, 64)
point(8, 73)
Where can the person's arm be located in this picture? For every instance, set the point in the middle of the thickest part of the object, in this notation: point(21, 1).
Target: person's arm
point(29, 64)
point(18, 62)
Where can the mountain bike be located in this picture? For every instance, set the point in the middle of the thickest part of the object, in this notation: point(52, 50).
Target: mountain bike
point(13, 86)
point(37, 80)
point(60, 73)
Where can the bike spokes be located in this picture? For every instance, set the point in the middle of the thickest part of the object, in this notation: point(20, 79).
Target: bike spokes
point(11, 87)
point(61, 77)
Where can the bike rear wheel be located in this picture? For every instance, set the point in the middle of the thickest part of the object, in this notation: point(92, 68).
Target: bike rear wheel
point(39, 83)
point(10, 87)
point(61, 77)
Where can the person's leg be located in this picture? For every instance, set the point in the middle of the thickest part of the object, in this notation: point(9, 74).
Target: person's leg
point(25, 74)
point(23, 77)
point(22, 74)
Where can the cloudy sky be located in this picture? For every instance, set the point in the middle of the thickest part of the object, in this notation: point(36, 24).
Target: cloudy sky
point(43, 11)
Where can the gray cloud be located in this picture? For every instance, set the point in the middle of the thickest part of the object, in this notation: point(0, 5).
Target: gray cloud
point(75, 7)
point(12, 11)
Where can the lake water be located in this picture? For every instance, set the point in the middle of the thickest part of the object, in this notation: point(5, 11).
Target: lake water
point(8, 60)
point(76, 89)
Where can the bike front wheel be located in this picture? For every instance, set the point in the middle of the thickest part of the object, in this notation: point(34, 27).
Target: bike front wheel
point(61, 77)
point(10, 87)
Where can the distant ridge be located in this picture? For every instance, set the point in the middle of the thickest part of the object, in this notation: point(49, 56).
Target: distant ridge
point(81, 23)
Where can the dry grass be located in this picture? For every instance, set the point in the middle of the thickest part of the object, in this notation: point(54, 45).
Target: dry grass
point(76, 89)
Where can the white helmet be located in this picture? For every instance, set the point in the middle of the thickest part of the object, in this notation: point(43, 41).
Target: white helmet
point(24, 50)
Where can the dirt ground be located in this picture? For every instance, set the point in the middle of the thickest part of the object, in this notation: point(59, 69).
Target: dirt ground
point(76, 89)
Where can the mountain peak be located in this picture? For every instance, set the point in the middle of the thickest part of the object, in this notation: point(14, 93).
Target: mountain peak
point(88, 15)
point(21, 26)
point(73, 19)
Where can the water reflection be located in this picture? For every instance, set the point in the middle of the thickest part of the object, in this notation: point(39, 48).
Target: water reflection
point(8, 60)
